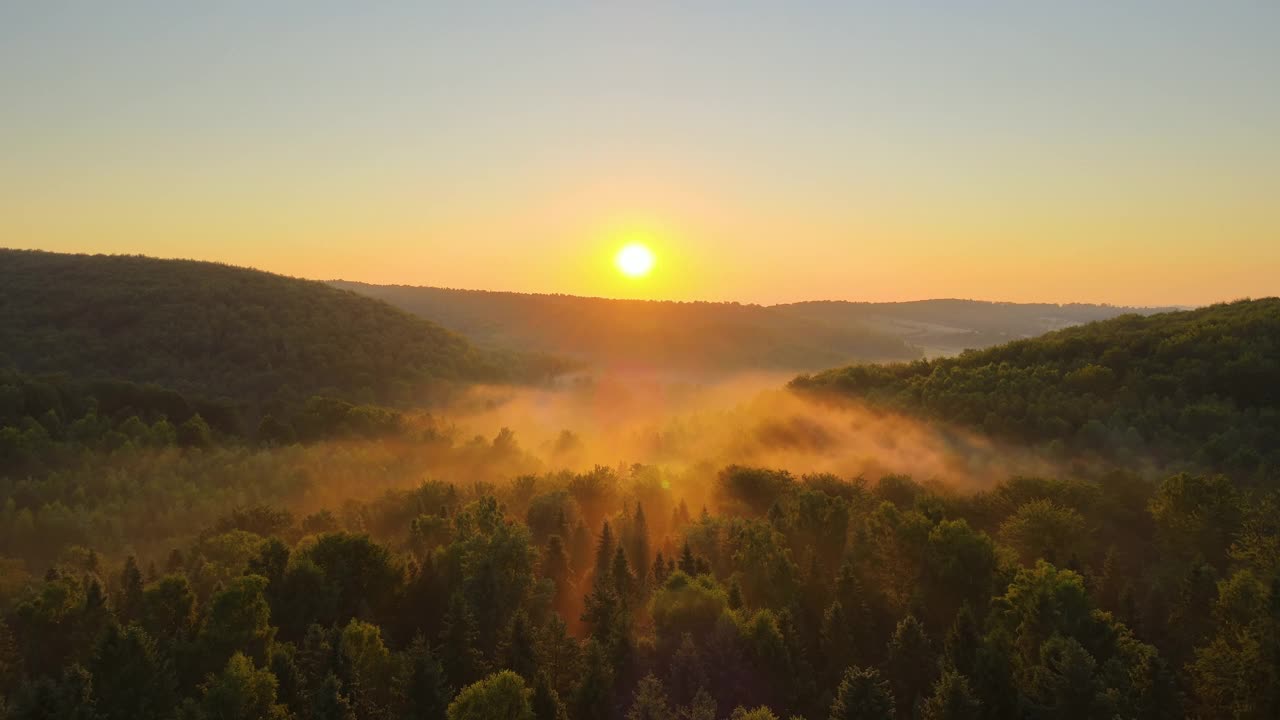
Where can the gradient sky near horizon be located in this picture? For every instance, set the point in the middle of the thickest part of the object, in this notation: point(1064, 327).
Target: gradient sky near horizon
point(1123, 152)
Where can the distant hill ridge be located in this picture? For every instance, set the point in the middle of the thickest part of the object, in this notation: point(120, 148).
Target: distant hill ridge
point(948, 326)
point(698, 337)
point(729, 336)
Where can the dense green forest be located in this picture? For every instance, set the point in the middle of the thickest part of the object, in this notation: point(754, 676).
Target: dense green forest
point(700, 337)
point(605, 594)
point(212, 330)
point(1198, 389)
point(163, 558)
point(93, 348)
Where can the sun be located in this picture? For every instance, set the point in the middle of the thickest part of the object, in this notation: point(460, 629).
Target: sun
point(634, 260)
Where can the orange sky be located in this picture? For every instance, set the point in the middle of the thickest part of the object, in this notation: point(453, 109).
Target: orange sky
point(1121, 155)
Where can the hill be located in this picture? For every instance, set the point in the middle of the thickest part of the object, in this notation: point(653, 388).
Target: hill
point(1198, 388)
point(947, 327)
point(700, 337)
point(215, 331)
point(727, 337)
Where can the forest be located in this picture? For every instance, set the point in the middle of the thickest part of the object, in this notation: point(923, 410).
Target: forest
point(352, 513)
point(1187, 390)
point(253, 339)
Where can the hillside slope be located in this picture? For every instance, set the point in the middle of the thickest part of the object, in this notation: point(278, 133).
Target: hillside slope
point(213, 330)
point(1199, 388)
point(645, 335)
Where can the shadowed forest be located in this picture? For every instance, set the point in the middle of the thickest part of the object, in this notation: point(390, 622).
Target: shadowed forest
point(230, 494)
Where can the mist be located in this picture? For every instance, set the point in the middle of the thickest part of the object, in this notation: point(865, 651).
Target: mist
point(692, 429)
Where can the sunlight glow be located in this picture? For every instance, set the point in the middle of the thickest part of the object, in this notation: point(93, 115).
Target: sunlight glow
point(634, 260)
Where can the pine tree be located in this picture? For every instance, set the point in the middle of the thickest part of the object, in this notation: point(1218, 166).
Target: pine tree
point(290, 685)
point(605, 547)
point(602, 613)
point(328, 702)
point(835, 642)
point(517, 651)
point(650, 701)
point(688, 672)
point(129, 601)
point(993, 680)
point(952, 699)
point(735, 594)
point(131, 679)
point(688, 565)
point(555, 567)
point(960, 651)
point(624, 584)
point(910, 664)
point(462, 659)
point(593, 699)
point(862, 695)
point(559, 656)
point(638, 552)
point(659, 572)
point(703, 707)
point(546, 701)
point(427, 694)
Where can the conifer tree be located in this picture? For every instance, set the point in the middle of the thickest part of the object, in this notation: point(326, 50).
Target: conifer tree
point(862, 695)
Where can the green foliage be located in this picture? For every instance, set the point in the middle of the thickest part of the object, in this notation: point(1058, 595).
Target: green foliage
point(69, 697)
point(592, 700)
point(1098, 595)
point(240, 692)
point(862, 695)
point(952, 699)
point(1044, 529)
point(216, 330)
point(501, 696)
point(1194, 389)
point(650, 701)
point(428, 691)
point(238, 622)
point(686, 606)
point(370, 669)
point(909, 665)
point(131, 679)
point(360, 576)
point(760, 713)
point(546, 703)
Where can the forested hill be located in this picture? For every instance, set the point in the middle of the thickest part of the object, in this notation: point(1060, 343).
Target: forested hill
point(1199, 388)
point(212, 330)
point(700, 337)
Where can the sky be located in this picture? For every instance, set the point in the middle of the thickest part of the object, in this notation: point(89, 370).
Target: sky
point(1121, 152)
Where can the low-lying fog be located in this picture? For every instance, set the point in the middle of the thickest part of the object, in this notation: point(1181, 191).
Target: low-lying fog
point(690, 428)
